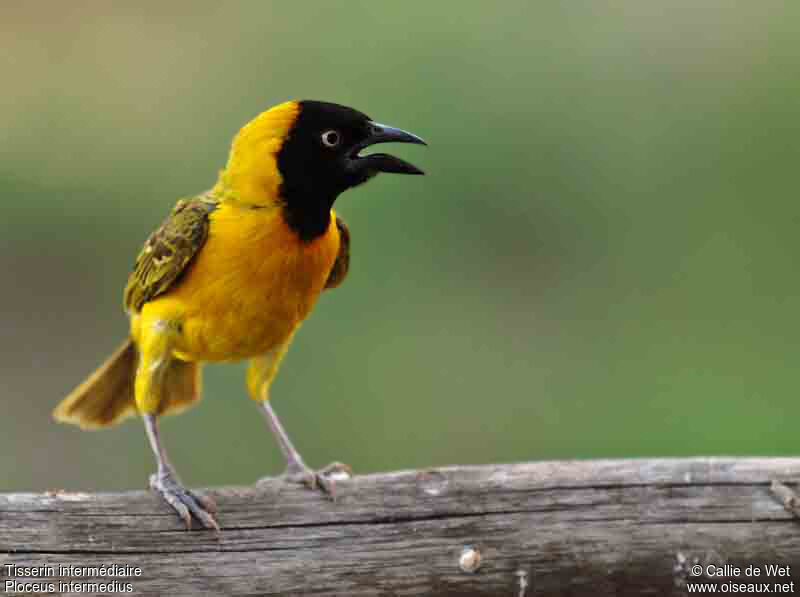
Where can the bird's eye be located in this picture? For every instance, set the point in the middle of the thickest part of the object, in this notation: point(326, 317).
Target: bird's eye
point(331, 138)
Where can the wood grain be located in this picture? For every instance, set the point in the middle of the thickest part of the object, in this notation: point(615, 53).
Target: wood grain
point(595, 527)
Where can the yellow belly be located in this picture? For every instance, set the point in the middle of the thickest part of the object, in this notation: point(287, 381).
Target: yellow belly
point(248, 289)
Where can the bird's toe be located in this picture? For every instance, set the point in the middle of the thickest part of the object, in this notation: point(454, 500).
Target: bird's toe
point(186, 503)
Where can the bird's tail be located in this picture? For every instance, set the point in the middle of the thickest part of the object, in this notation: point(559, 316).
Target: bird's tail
point(106, 397)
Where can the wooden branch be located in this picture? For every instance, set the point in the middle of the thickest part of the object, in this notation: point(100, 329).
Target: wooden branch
point(603, 527)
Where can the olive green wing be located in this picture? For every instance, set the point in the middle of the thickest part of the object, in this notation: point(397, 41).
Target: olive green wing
point(168, 251)
point(342, 263)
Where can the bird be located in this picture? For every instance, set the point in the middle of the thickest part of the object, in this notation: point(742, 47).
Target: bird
point(230, 275)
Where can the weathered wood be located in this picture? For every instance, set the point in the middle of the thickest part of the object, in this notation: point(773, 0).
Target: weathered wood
point(602, 527)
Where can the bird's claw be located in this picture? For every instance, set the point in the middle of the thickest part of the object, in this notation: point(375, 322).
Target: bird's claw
point(186, 503)
point(323, 479)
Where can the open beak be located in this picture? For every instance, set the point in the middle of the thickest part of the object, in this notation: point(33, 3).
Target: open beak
point(381, 162)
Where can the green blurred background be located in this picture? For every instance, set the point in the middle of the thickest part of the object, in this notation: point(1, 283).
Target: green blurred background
point(599, 262)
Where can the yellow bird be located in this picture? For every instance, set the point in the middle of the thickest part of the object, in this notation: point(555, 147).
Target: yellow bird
point(232, 273)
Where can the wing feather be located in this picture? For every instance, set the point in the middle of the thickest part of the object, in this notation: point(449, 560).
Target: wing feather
point(342, 263)
point(168, 251)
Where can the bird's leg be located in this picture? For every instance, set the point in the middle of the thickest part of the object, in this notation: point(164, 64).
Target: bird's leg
point(296, 470)
point(154, 344)
point(186, 503)
point(294, 462)
point(260, 373)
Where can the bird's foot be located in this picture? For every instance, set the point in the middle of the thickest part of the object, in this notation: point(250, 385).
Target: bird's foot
point(188, 504)
point(323, 480)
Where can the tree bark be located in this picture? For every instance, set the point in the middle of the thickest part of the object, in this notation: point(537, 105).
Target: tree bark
point(594, 527)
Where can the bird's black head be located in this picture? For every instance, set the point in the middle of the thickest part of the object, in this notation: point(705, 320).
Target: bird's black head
point(320, 159)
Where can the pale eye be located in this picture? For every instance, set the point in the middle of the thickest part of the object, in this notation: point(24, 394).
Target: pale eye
point(331, 138)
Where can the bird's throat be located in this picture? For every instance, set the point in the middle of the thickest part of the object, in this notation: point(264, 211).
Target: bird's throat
point(307, 214)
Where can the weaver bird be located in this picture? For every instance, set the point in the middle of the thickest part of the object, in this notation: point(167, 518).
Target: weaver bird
point(231, 274)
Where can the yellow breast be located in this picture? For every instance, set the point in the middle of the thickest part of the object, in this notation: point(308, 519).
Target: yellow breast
point(250, 286)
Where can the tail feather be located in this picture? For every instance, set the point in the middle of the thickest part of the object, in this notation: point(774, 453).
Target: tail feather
point(182, 387)
point(107, 396)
